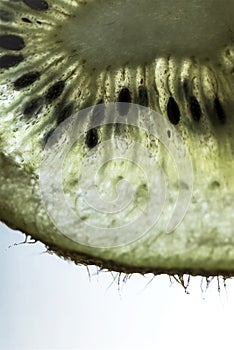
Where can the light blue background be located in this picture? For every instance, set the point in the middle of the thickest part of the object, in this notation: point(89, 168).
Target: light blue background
point(48, 303)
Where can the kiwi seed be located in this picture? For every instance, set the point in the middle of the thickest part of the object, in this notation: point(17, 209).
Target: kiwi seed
point(8, 61)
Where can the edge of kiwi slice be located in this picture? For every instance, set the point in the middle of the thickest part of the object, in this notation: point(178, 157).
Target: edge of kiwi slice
point(60, 57)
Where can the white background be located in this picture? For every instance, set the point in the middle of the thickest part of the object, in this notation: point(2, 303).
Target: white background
point(48, 303)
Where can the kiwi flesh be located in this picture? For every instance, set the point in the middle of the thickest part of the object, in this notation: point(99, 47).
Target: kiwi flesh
point(177, 58)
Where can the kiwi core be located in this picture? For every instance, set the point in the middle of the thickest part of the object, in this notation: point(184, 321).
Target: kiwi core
point(113, 33)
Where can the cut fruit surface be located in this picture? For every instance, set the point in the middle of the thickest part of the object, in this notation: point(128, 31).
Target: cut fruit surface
point(175, 59)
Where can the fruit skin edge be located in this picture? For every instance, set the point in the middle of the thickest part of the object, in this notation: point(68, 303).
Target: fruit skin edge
point(11, 201)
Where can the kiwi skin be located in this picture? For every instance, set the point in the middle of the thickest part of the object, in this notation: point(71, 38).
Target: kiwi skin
point(194, 93)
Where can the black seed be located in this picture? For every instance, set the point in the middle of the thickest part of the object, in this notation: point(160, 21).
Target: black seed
point(8, 61)
point(26, 20)
point(26, 80)
point(143, 96)
point(91, 138)
point(5, 16)
point(173, 111)
point(33, 106)
point(55, 91)
point(65, 113)
point(11, 42)
point(40, 5)
point(99, 112)
point(219, 111)
point(124, 97)
point(195, 108)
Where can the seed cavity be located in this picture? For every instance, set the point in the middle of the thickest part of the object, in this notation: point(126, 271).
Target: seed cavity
point(219, 110)
point(173, 111)
point(55, 91)
point(124, 97)
point(11, 42)
point(9, 61)
point(65, 113)
point(195, 108)
point(91, 138)
point(33, 106)
point(143, 96)
point(39, 5)
point(26, 80)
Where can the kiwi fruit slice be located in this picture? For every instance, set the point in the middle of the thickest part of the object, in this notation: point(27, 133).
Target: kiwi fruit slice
point(59, 57)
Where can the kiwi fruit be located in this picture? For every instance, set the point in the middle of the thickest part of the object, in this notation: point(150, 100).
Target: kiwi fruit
point(176, 57)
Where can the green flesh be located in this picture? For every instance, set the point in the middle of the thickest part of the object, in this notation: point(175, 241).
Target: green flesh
point(98, 48)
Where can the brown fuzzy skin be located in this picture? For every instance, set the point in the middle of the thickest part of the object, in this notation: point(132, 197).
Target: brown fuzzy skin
point(88, 260)
point(112, 266)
